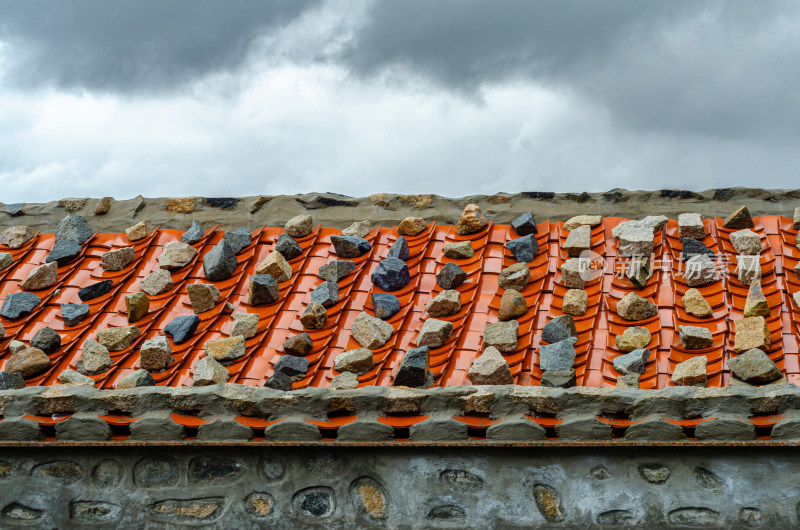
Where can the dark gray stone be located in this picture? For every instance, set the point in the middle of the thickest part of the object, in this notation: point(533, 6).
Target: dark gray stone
point(224, 203)
point(155, 472)
point(386, 305)
point(220, 262)
point(633, 362)
point(391, 274)
point(335, 270)
point(558, 378)
point(314, 502)
point(73, 228)
point(83, 426)
point(399, 249)
point(693, 247)
point(524, 248)
point(300, 344)
point(326, 294)
point(11, 381)
point(194, 234)
point(63, 252)
point(560, 328)
point(264, 289)
point(524, 225)
point(350, 247)
point(106, 474)
point(292, 430)
point(18, 305)
point(451, 276)
point(616, 518)
point(74, 314)
point(447, 512)
point(288, 247)
point(47, 340)
point(214, 469)
point(182, 328)
point(558, 356)
point(292, 366)
point(96, 290)
point(279, 381)
point(413, 369)
point(238, 239)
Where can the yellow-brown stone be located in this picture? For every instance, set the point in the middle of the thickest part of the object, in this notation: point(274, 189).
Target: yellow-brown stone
point(695, 304)
point(416, 201)
point(472, 220)
point(373, 501)
point(412, 226)
point(181, 205)
point(751, 332)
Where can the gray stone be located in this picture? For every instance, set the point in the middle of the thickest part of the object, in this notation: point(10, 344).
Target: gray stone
point(176, 255)
point(746, 242)
point(460, 250)
point(16, 236)
point(288, 247)
point(136, 379)
point(446, 303)
point(725, 428)
point(300, 344)
point(414, 368)
point(399, 249)
point(292, 366)
point(451, 276)
point(47, 340)
point(220, 263)
point(691, 225)
point(365, 431)
point(558, 378)
point(524, 225)
point(63, 252)
point(434, 333)
point(263, 289)
point(386, 305)
point(344, 381)
point(194, 234)
point(788, 428)
point(633, 307)
point(653, 428)
point(18, 305)
point(71, 377)
point(695, 337)
point(579, 241)
point(157, 282)
point(490, 368)
point(524, 248)
point(436, 429)
point(515, 277)
point(118, 338)
point(19, 429)
point(156, 426)
point(326, 294)
point(358, 361)
point(238, 239)
point(501, 335)
point(28, 362)
point(299, 226)
point(95, 290)
point(574, 273)
point(335, 270)
point(208, 371)
point(559, 328)
point(292, 430)
point(558, 356)
point(633, 362)
point(628, 381)
point(41, 277)
point(654, 473)
point(83, 427)
point(182, 328)
point(391, 274)
point(244, 324)
point(11, 380)
point(516, 430)
point(279, 381)
point(155, 353)
point(371, 332)
point(692, 247)
point(754, 367)
point(73, 228)
point(117, 260)
point(95, 358)
point(350, 247)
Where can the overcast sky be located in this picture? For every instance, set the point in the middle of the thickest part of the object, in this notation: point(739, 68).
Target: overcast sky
point(455, 97)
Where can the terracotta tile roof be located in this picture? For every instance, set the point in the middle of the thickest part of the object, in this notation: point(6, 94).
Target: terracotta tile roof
point(480, 296)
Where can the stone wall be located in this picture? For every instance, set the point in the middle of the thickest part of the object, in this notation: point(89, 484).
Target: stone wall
point(305, 487)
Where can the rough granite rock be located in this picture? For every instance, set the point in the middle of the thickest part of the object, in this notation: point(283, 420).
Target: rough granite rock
point(434, 332)
point(155, 353)
point(287, 246)
point(136, 379)
point(414, 368)
point(6, 260)
point(558, 378)
point(695, 304)
point(691, 225)
point(16, 236)
point(578, 241)
point(18, 305)
point(391, 274)
point(575, 302)
point(176, 255)
point(628, 381)
point(224, 350)
point(357, 229)
point(74, 228)
point(749, 268)
point(653, 222)
point(700, 270)
point(238, 239)
point(262, 289)
point(350, 247)
point(574, 272)
point(412, 226)
point(208, 371)
point(739, 219)
point(12, 381)
point(385, 305)
point(558, 356)
point(399, 249)
point(636, 240)
point(182, 328)
point(695, 337)
point(582, 220)
point(203, 296)
point(276, 266)
point(41, 277)
point(281, 381)
point(157, 282)
point(691, 372)
point(28, 362)
point(472, 220)
point(194, 234)
point(632, 363)
point(63, 252)
point(314, 317)
point(299, 226)
point(74, 314)
point(95, 358)
point(335, 270)
point(137, 231)
point(633, 307)
point(501, 335)
point(118, 338)
point(524, 248)
point(326, 294)
point(692, 247)
point(515, 277)
point(371, 332)
point(300, 344)
point(180, 204)
point(46, 339)
point(220, 263)
point(756, 304)
point(490, 368)
point(95, 290)
point(746, 242)
point(639, 271)
point(559, 328)
point(450, 276)
point(292, 366)
point(754, 367)
point(751, 332)
point(446, 303)
point(344, 381)
point(633, 338)
point(358, 361)
point(137, 306)
point(524, 225)
point(71, 377)
point(245, 324)
point(460, 250)
point(116, 260)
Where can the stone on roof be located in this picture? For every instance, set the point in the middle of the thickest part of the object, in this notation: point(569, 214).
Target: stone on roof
point(434, 332)
point(193, 234)
point(512, 305)
point(95, 358)
point(74, 314)
point(116, 260)
point(74, 228)
point(136, 379)
point(700, 270)
point(633, 362)
point(263, 289)
point(746, 242)
point(182, 328)
point(515, 277)
point(64, 252)
point(41, 277)
point(490, 368)
point(501, 335)
point(756, 304)
point(472, 220)
point(459, 250)
point(335, 270)
point(155, 353)
point(578, 241)
point(755, 367)
point(71, 377)
point(691, 225)
point(749, 268)
point(225, 349)
point(157, 282)
point(208, 371)
point(300, 344)
point(299, 226)
point(18, 305)
point(574, 272)
point(391, 274)
point(220, 263)
point(636, 240)
point(557, 356)
point(633, 338)
point(357, 229)
point(46, 339)
point(691, 372)
point(288, 247)
point(358, 361)
point(749, 333)
point(524, 224)
point(524, 248)
point(326, 294)
point(350, 247)
point(739, 219)
point(371, 332)
point(238, 239)
point(446, 303)
point(575, 302)
point(451, 276)
point(695, 337)
point(633, 307)
point(16, 236)
point(386, 305)
point(95, 290)
point(558, 379)
point(314, 317)
point(137, 232)
point(695, 304)
point(582, 220)
point(203, 296)
point(414, 368)
point(412, 226)
point(245, 324)
point(639, 271)
point(137, 306)
point(118, 338)
point(28, 362)
point(399, 249)
point(176, 255)
point(559, 328)
point(692, 247)
point(276, 266)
